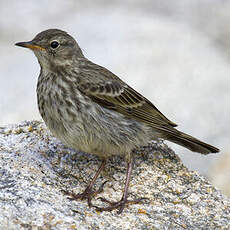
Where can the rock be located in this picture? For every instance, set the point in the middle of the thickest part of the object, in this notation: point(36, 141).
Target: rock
point(35, 168)
point(220, 173)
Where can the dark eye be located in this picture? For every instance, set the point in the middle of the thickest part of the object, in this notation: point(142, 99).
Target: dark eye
point(54, 44)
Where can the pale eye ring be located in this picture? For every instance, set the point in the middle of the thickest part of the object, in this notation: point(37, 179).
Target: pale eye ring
point(54, 44)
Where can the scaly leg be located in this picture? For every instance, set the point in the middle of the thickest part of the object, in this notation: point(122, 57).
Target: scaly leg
point(120, 205)
point(89, 193)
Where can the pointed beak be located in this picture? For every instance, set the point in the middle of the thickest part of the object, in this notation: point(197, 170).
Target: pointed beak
point(29, 45)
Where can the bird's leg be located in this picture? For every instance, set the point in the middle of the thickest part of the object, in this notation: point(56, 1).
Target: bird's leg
point(89, 193)
point(120, 205)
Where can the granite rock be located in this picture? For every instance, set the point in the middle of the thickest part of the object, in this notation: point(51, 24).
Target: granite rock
point(220, 173)
point(35, 168)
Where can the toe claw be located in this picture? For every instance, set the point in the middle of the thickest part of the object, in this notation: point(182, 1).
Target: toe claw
point(120, 205)
point(101, 188)
point(105, 200)
point(88, 194)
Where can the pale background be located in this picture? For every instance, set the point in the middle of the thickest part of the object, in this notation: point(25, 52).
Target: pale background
point(176, 53)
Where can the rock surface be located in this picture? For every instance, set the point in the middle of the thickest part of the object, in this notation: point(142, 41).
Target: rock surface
point(35, 168)
point(220, 173)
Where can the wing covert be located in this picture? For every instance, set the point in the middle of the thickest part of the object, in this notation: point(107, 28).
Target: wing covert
point(122, 98)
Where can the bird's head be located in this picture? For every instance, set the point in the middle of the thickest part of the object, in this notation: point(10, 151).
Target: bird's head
point(53, 48)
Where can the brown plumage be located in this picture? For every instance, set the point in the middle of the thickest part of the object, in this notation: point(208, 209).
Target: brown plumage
point(116, 95)
point(90, 109)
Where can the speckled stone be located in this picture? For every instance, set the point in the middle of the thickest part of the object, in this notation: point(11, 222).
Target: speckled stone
point(35, 168)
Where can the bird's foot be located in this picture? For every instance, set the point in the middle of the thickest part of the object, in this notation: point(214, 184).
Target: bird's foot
point(120, 205)
point(88, 194)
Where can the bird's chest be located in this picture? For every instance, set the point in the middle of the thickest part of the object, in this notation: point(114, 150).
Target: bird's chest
point(60, 103)
point(48, 98)
point(54, 99)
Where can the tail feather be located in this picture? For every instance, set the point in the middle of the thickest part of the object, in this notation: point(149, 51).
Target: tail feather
point(188, 141)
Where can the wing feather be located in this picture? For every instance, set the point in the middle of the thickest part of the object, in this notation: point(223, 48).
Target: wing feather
point(123, 99)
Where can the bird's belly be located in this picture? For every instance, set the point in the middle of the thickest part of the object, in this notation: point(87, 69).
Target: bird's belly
point(94, 129)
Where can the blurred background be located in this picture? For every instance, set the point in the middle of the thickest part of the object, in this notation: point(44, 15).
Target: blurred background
point(176, 53)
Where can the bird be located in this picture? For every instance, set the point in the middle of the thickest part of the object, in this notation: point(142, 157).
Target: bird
point(92, 110)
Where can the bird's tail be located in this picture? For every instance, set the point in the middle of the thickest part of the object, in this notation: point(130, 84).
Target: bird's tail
point(188, 141)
